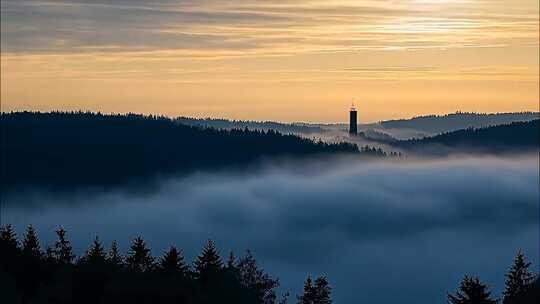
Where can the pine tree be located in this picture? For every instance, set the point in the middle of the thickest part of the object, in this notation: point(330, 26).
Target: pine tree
point(254, 279)
point(63, 251)
point(322, 291)
point(471, 291)
point(114, 257)
point(139, 257)
point(8, 237)
point(518, 278)
point(173, 262)
point(96, 252)
point(308, 296)
point(209, 260)
point(30, 243)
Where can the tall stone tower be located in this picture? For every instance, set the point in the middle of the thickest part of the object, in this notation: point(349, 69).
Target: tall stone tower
point(353, 121)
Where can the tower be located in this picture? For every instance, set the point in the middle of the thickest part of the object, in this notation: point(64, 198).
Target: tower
point(353, 121)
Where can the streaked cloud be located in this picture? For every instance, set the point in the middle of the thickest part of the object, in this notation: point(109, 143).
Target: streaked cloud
point(264, 26)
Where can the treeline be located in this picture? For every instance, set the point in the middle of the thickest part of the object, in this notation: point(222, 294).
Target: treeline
point(81, 148)
point(521, 287)
point(378, 152)
point(516, 136)
point(227, 124)
point(458, 120)
point(29, 274)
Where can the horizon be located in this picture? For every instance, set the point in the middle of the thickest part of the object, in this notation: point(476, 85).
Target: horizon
point(274, 121)
point(274, 60)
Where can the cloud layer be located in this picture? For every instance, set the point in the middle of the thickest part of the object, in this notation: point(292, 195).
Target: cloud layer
point(373, 224)
point(271, 27)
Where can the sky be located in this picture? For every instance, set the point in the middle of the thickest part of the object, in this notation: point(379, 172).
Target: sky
point(303, 60)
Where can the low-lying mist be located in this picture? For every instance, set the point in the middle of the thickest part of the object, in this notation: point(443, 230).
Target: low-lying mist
point(383, 231)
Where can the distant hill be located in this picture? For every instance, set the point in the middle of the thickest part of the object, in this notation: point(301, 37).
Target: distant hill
point(435, 124)
point(226, 124)
point(513, 137)
point(62, 149)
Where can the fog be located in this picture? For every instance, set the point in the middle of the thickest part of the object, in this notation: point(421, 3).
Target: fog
point(382, 231)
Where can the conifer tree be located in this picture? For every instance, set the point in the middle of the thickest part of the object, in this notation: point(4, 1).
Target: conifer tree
point(8, 237)
point(308, 295)
point(322, 291)
point(114, 257)
point(254, 278)
point(30, 243)
point(139, 257)
point(518, 278)
point(63, 251)
point(209, 260)
point(173, 262)
point(96, 252)
point(471, 291)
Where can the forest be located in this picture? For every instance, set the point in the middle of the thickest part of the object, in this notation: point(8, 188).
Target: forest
point(516, 136)
point(227, 124)
point(61, 149)
point(458, 120)
point(29, 274)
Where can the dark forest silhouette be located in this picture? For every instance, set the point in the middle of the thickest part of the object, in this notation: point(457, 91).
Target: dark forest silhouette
point(81, 148)
point(458, 120)
point(29, 274)
point(227, 124)
point(521, 287)
point(514, 137)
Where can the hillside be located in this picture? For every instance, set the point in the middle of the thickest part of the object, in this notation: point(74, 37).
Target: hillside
point(435, 124)
point(62, 149)
point(513, 137)
point(227, 124)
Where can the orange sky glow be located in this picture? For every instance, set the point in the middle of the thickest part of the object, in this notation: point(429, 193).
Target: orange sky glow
point(303, 60)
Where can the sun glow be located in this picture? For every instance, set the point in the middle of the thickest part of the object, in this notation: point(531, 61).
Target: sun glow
point(298, 60)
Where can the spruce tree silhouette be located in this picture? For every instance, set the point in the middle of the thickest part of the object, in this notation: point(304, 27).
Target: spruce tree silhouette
point(173, 262)
point(518, 278)
point(114, 257)
point(316, 293)
point(30, 244)
point(471, 291)
point(96, 252)
point(254, 278)
point(139, 257)
point(322, 291)
point(8, 237)
point(208, 264)
point(63, 252)
point(308, 295)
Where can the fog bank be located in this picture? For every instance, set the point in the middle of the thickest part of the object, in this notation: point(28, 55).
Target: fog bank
point(383, 232)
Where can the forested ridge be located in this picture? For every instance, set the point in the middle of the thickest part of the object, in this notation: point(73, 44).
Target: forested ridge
point(82, 148)
point(227, 124)
point(513, 137)
point(458, 120)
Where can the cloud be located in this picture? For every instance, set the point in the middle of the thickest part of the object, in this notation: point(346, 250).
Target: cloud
point(265, 26)
point(355, 221)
